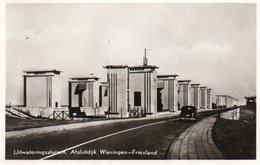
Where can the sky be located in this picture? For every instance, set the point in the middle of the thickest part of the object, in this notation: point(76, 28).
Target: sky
point(213, 44)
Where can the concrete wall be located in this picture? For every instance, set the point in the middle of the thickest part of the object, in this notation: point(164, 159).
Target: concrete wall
point(36, 91)
point(231, 115)
point(180, 96)
point(117, 79)
point(56, 90)
point(104, 96)
point(43, 91)
point(209, 99)
point(166, 98)
point(96, 93)
point(74, 97)
point(89, 111)
point(154, 93)
point(88, 95)
point(192, 97)
point(45, 112)
point(176, 97)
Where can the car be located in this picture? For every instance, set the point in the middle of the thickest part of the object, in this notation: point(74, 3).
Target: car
point(189, 113)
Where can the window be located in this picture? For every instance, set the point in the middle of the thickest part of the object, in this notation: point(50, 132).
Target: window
point(137, 98)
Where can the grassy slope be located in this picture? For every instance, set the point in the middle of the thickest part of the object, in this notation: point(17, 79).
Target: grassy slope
point(236, 139)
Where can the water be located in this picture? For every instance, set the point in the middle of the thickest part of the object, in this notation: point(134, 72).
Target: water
point(231, 115)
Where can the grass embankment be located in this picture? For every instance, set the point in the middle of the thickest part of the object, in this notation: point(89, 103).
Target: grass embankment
point(15, 124)
point(236, 139)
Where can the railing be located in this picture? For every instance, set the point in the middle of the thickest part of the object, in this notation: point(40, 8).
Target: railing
point(61, 115)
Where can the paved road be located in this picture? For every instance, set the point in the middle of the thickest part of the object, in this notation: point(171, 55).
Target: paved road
point(143, 139)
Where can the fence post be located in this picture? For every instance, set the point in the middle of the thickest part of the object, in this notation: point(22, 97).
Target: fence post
point(62, 115)
point(53, 114)
point(121, 112)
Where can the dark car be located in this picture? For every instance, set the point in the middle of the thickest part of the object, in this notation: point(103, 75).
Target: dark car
point(189, 113)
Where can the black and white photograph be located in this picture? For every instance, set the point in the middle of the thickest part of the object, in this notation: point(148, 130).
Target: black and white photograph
point(130, 81)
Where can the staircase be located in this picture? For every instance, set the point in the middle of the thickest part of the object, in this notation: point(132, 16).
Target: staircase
point(17, 113)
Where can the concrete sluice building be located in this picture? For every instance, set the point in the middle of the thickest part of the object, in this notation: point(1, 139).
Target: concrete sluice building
point(195, 95)
point(167, 93)
point(132, 88)
point(42, 92)
point(84, 96)
point(130, 91)
point(224, 101)
point(184, 93)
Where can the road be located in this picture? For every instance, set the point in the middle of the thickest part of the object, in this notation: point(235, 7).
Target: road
point(143, 139)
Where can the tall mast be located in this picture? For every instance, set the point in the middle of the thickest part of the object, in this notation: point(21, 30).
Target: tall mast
point(145, 60)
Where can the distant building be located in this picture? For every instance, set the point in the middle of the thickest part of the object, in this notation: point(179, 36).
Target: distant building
point(132, 88)
point(251, 102)
point(195, 95)
point(221, 101)
point(167, 93)
point(184, 93)
point(203, 97)
point(229, 101)
point(224, 101)
point(42, 88)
